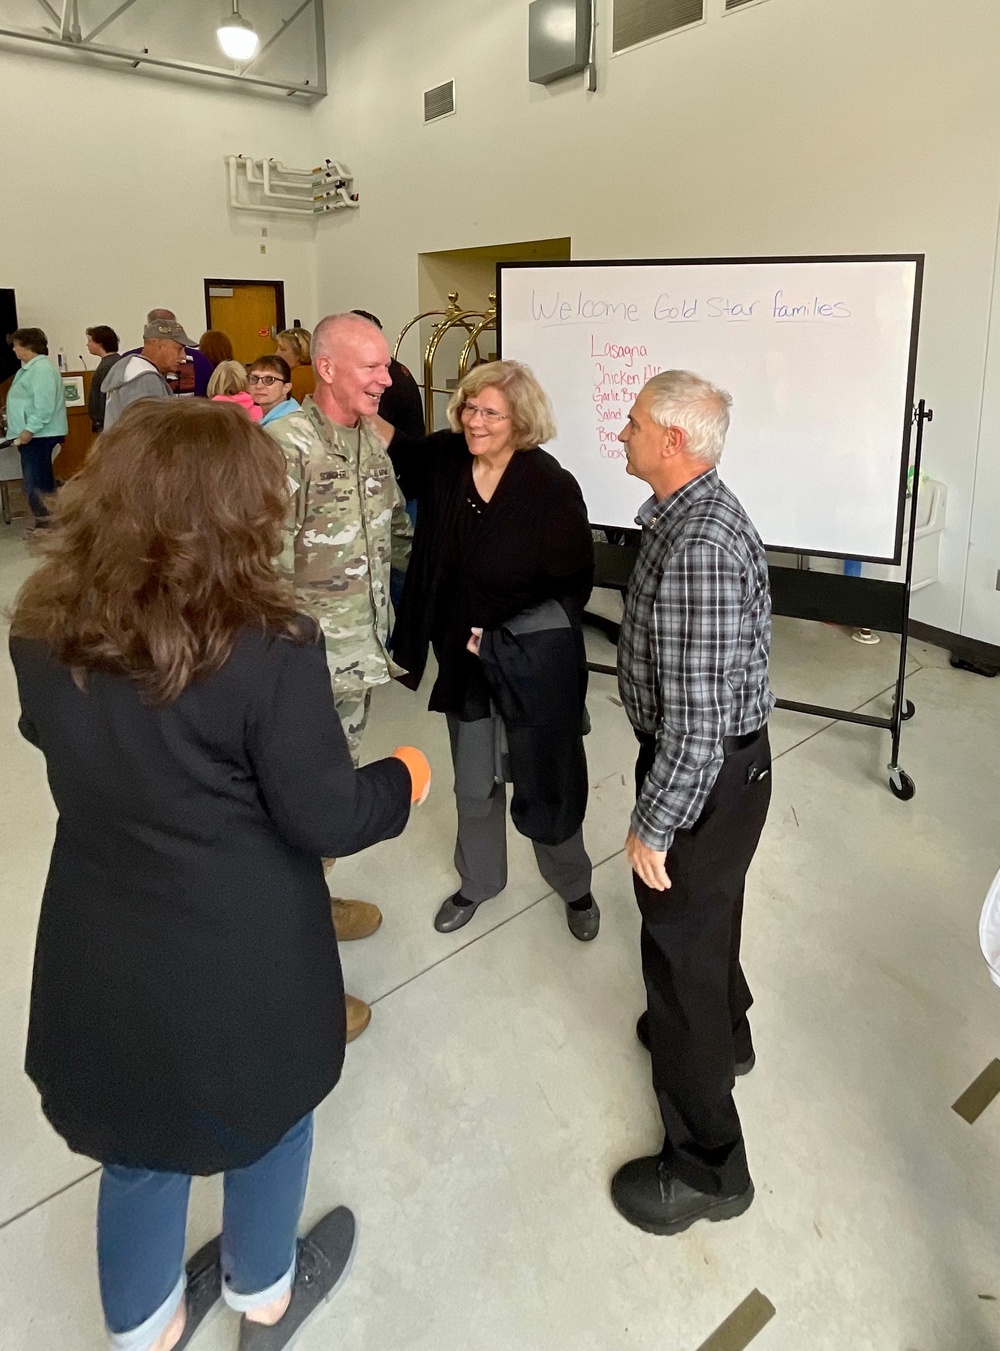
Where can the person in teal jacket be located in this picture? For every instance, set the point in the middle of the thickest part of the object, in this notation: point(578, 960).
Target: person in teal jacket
point(36, 417)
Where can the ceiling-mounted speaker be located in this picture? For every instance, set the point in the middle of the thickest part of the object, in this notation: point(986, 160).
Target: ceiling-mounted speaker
point(558, 39)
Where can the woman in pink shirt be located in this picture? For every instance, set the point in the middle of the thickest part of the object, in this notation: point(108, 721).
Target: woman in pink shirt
point(229, 384)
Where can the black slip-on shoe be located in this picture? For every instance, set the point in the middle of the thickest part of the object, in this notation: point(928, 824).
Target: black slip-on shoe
point(648, 1196)
point(642, 1032)
point(584, 924)
point(204, 1289)
point(324, 1261)
point(453, 915)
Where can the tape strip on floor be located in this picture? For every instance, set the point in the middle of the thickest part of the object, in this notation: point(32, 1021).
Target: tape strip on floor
point(742, 1325)
point(980, 1093)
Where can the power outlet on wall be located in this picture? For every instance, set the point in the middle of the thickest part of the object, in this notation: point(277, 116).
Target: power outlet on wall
point(263, 248)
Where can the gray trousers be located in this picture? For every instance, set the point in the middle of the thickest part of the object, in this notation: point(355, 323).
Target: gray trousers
point(477, 751)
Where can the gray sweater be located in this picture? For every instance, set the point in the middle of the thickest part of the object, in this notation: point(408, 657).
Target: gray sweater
point(131, 379)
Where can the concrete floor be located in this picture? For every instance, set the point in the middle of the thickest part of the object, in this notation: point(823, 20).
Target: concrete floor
point(500, 1084)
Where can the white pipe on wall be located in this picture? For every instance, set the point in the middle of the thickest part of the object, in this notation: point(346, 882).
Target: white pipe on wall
point(263, 181)
point(328, 188)
point(232, 162)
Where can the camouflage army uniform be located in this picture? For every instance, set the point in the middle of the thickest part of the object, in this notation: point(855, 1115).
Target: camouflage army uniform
point(344, 508)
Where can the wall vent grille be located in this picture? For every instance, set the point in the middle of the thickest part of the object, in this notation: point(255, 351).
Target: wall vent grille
point(439, 102)
point(638, 21)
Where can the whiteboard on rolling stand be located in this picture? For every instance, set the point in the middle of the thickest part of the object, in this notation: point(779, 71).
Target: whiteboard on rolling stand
point(819, 355)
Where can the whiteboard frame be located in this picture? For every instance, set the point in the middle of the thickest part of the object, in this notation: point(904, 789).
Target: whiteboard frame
point(917, 259)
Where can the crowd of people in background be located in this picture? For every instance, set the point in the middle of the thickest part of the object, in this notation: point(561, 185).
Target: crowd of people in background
point(168, 363)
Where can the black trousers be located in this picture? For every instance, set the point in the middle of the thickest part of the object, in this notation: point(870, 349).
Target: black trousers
point(696, 993)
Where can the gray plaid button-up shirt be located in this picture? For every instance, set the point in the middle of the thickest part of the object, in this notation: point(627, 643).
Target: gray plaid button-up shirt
point(693, 651)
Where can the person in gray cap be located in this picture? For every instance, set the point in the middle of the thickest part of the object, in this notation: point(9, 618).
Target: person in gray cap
point(143, 376)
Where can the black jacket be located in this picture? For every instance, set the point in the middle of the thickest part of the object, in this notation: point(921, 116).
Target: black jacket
point(534, 543)
point(97, 399)
point(401, 403)
point(536, 670)
point(187, 1006)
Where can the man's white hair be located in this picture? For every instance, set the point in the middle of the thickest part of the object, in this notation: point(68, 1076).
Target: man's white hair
point(682, 399)
point(338, 327)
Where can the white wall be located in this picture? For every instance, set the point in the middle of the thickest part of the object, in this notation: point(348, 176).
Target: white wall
point(796, 126)
point(113, 198)
point(793, 127)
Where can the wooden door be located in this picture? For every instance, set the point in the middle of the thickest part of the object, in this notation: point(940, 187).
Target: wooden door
point(250, 313)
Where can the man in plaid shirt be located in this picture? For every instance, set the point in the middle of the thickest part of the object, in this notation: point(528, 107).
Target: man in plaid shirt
point(692, 665)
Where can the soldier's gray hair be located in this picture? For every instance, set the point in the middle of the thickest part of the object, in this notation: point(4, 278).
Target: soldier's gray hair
point(340, 326)
point(532, 423)
point(682, 399)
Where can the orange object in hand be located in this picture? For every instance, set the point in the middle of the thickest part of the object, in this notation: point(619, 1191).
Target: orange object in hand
point(420, 771)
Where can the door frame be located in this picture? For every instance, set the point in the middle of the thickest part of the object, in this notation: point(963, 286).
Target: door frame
point(279, 295)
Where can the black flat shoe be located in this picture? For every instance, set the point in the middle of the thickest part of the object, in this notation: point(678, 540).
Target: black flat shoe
point(204, 1289)
point(323, 1263)
point(642, 1032)
point(453, 916)
point(646, 1194)
point(584, 924)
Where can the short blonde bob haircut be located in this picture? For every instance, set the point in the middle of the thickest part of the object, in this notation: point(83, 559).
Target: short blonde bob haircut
point(532, 423)
point(229, 377)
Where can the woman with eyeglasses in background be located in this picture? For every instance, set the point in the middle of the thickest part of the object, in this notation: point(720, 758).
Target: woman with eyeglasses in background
point(502, 567)
point(271, 388)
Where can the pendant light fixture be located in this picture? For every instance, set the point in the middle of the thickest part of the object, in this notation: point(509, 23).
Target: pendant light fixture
point(237, 36)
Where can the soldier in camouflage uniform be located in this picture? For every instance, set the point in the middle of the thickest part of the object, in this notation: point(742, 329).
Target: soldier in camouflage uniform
point(344, 507)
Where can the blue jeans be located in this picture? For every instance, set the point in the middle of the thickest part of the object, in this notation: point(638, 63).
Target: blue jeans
point(36, 471)
point(141, 1218)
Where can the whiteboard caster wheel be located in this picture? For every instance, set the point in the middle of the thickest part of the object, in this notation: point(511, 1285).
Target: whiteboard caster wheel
point(908, 711)
point(900, 784)
point(866, 636)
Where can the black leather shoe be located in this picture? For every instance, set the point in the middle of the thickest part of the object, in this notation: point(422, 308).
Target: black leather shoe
point(650, 1198)
point(452, 916)
point(642, 1032)
point(584, 924)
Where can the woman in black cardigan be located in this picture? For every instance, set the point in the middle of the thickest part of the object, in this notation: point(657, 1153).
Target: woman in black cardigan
point(502, 566)
point(187, 1006)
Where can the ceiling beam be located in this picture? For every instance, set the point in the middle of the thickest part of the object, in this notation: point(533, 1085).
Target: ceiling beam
point(275, 36)
point(69, 27)
point(90, 51)
point(106, 23)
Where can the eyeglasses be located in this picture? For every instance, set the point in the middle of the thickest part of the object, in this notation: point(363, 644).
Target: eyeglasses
point(267, 380)
point(489, 415)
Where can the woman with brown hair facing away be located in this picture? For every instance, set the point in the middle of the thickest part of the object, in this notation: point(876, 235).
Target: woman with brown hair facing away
point(216, 345)
point(187, 1006)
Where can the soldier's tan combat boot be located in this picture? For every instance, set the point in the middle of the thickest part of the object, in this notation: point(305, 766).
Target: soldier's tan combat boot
point(354, 919)
point(359, 1015)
